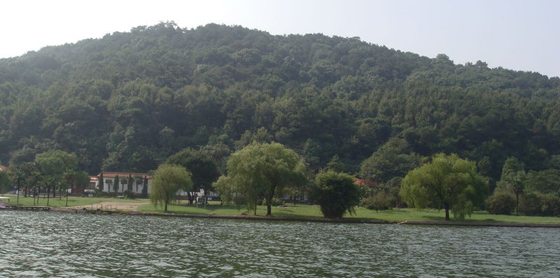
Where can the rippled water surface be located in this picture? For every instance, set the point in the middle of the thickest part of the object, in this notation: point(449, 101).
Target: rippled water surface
point(48, 244)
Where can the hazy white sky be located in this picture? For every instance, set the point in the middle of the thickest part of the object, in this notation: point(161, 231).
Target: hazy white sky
point(514, 34)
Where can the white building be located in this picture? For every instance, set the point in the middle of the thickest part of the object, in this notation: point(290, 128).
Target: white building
point(126, 181)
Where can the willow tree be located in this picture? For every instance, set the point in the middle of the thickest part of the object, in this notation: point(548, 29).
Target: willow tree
point(259, 171)
point(447, 182)
point(169, 179)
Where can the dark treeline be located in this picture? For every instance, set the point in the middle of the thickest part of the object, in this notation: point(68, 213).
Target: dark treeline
point(128, 101)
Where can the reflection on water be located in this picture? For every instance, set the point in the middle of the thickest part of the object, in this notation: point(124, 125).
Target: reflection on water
point(48, 244)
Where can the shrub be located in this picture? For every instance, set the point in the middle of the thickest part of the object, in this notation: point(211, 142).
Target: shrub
point(379, 201)
point(550, 205)
point(128, 194)
point(500, 203)
point(99, 193)
point(540, 204)
point(336, 194)
point(530, 204)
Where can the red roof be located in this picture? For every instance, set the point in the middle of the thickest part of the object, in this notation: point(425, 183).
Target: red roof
point(124, 174)
point(367, 183)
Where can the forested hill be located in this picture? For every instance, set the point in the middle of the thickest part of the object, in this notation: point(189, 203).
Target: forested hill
point(127, 101)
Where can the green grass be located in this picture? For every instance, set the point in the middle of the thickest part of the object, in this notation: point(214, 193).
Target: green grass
point(61, 202)
point(400, 215)
point(298, 211)
point(301, 211)
point(309, 211)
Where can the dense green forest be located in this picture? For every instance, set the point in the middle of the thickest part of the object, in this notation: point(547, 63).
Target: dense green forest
point(129, 100)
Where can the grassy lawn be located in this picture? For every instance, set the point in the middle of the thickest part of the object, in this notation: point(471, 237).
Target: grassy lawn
point(301, 211)
point(307, 211)
point(400, 215)
point(61, 202)
point(298, 211)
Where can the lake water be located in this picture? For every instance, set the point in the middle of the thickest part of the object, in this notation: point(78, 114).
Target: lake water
point(49, 244)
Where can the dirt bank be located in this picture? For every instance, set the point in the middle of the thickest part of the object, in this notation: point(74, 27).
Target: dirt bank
point(112, 206)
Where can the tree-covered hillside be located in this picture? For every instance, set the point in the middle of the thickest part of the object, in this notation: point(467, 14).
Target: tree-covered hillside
point(128, 101)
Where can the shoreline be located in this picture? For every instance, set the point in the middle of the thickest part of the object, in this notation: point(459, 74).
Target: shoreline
point(316, 220)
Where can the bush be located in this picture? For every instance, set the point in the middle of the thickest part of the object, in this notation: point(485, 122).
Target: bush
point(128, 194)
point(336, 194)
point(379, 201)
point(99, 193)
point(500, 203)
point(550, 205)
point(540, 204)
point(530, 204)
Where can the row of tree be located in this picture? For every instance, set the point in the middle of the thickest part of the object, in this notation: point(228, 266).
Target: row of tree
point(48, 173)
point(532, 193)
point(263, 171)
point(260, 171)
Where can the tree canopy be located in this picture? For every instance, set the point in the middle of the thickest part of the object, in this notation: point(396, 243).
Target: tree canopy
point(335, 193)
point(203, 169)
point(447, 182)
point(129, 100)
point(52, 166)
point(392, 160)
point(513, 179)
point(169, 179)
point(259, 171)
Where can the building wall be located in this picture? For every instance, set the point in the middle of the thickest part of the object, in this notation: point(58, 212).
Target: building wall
point(109, 185)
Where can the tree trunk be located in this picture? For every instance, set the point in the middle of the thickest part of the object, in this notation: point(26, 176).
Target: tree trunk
point(269, 201)
point(446, 206)
point(18, 190)
point(517, 204)
point(165, 208)
point(268, 206)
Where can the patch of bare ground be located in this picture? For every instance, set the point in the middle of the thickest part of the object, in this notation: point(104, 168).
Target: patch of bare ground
point(113, 206)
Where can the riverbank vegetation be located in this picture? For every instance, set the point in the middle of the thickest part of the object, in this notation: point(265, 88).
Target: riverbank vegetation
point(290, 210)
point(392, 216)
point(131, 101)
